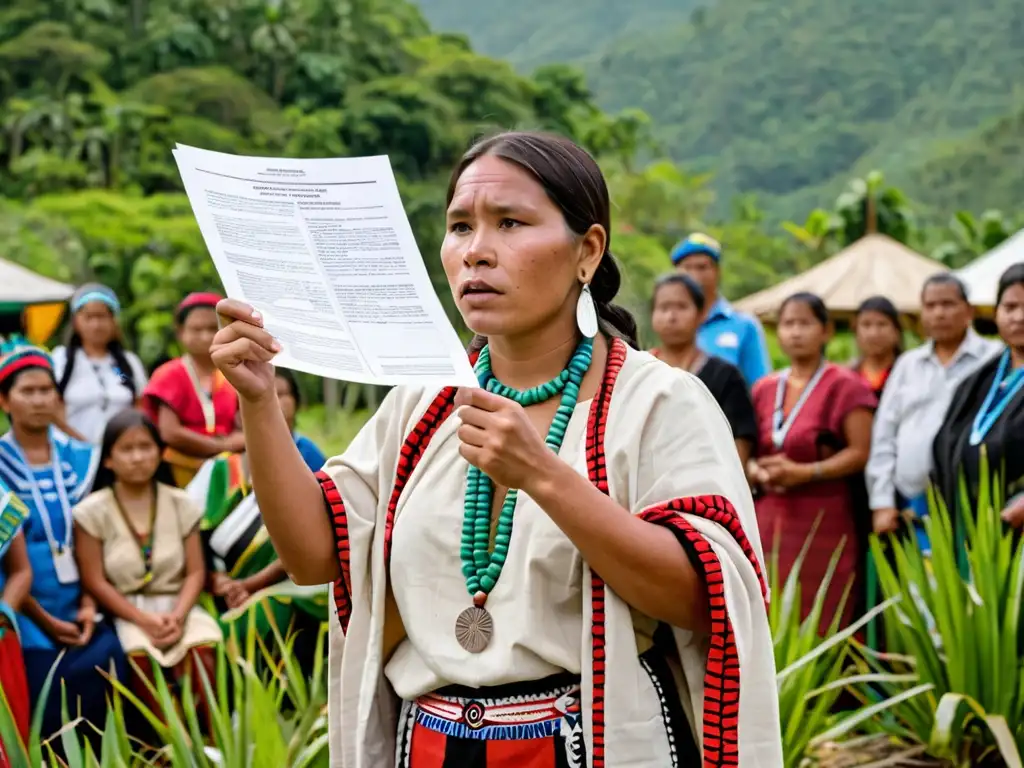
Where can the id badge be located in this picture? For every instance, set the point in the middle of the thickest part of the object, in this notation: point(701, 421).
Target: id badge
point(65, 566)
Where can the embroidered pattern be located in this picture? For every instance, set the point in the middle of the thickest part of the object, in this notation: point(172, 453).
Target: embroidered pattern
point(339, 521)
point(512, 718)
point(722, 677)
point(598, 474)
point(665, 715)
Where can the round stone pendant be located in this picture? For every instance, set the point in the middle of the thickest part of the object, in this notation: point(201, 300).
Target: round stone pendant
point(473, 629)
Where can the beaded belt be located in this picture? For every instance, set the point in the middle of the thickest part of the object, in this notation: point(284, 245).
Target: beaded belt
point(515, 717)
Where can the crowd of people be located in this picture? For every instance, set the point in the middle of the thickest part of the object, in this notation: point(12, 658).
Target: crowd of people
point(136, 494)
point(838, 451)
point(119, 553)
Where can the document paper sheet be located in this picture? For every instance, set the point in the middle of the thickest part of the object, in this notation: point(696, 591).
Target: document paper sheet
point(323, 249)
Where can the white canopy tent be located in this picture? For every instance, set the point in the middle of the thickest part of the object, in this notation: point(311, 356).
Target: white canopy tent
point(982, 275)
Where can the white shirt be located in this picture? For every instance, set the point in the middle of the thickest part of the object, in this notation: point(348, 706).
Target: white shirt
point(96, 391)
point(910, 412)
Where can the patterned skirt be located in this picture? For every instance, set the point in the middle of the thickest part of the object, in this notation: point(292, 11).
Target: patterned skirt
point(537, 724)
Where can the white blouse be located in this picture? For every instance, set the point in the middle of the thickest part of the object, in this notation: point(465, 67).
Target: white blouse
point(96, 391)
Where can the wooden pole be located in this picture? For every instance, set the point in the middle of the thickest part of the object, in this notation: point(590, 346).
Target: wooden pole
point(871, 219)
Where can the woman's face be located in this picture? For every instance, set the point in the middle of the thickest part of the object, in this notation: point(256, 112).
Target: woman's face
point(287, 400)
point(95, 324)
point(197, 332)
point(801, 334)
point(32, 401)
point(513, 265)
point(876, 334)
point(1010, 316)
point(134, 457)
point(675, 317)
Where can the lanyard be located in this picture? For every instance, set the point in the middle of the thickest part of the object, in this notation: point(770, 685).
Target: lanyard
point(780, 427)
point(205, 398)
point(991, 410)
point(37, 496)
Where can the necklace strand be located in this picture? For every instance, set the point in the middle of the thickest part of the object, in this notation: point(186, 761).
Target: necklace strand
point(482, 565)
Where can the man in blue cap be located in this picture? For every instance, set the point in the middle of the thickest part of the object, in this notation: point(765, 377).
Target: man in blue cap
point(727, 333)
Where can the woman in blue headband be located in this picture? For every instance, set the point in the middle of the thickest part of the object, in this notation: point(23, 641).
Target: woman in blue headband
point(96, 376)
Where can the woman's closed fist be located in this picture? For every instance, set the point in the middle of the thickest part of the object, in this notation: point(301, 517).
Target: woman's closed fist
point(242, 350)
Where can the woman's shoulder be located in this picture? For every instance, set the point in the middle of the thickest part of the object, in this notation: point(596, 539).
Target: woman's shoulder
point(96, 503)
point(644, 382)
point(173, 367)
point(176, 495)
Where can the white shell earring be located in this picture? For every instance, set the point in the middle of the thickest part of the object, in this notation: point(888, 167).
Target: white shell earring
point(586, 313)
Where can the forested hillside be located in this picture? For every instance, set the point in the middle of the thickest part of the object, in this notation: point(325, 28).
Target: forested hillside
point(95, 93)
point(534, 32)
point(787, 99)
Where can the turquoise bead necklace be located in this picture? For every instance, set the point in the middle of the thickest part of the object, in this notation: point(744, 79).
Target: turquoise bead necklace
point(481, 565)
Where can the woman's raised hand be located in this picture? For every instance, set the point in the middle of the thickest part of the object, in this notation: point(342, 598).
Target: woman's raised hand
point(242, 350)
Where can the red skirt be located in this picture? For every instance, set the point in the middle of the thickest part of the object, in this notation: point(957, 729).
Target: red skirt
point(789, 518)
point(528, 725)
point(14, 682)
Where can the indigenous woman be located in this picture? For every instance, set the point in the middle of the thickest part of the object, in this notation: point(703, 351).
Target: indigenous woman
point(189, 400)
point(982, 436)
point(50, 473)
point(15, 583)
point(138, 548)
point(814, 422)
point(96, 376)
point(678, 306)
point(556, 569)
point(879, 337)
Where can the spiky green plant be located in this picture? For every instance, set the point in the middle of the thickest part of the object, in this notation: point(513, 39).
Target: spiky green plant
point(957, 630)
point(264, 713)
point(812, 660)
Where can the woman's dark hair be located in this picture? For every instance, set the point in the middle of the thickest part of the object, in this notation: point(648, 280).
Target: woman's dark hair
point(810, 300)
point(680, 278)
point(8, 384)
point(288, 377)
point(1014, 275)
point(73, 342)
point(573, 182)
point(882, 306)
point(120, 423)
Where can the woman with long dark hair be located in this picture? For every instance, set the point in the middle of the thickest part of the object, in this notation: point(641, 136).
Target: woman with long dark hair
point(525, 571)
point(138, 548)
point(677, 307)
point(96, 375)
point(51, 472)
point(814, 422)
point(879, 336)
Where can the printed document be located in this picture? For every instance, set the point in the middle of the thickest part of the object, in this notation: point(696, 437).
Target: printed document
point(323, 249)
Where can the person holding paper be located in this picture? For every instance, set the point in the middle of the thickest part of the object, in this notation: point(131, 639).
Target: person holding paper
point(188, 399)
point(50, 473)
point(523, 571)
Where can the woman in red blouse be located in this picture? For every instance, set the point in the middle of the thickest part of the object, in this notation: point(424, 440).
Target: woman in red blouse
point(192, 404)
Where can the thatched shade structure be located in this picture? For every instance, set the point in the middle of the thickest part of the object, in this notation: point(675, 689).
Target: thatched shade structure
point(874, 265)
point(982, 275)
point(38, 300)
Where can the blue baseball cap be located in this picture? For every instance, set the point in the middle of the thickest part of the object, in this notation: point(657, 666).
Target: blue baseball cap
point(697, 243)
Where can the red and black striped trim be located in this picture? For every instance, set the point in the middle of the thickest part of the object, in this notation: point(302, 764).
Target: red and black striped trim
point(598, 474)
point(722, 676)
point(339, 522)
point(409, 456)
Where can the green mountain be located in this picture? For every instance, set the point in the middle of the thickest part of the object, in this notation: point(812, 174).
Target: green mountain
point(787, 99)
point(535, 32)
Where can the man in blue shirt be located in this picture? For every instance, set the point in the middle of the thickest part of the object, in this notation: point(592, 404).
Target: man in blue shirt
point(727, 333)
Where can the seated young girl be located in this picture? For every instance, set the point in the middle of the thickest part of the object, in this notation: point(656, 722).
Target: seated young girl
point(139, 552)
point(15, 583)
